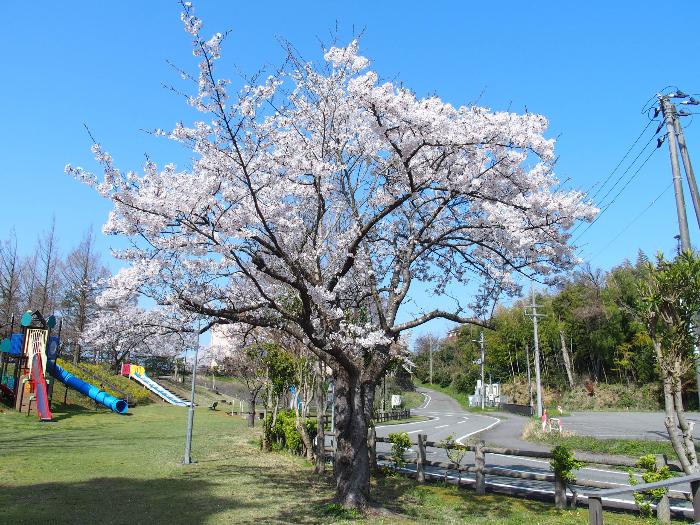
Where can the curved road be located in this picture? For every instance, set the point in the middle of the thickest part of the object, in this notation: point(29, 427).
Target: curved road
point(447, 418)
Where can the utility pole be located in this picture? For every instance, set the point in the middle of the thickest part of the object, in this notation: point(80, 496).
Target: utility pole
point(669, 112)
point(538, 380)
point(529, 380)
point(676, 139)
point(431, 361)
point(688, 167)
point(483, 386)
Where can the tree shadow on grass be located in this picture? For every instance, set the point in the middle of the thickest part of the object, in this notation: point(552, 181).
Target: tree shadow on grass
point(113, 501)
point(64, 411)
point(287, 496)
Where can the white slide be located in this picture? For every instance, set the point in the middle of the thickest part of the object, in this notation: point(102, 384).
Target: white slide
point(164, 393)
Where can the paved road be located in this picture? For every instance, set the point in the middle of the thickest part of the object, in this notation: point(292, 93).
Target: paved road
point(624, 425)
point(448, 418)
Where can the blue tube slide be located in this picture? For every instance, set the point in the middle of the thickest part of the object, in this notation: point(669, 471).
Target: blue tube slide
point(100, 396)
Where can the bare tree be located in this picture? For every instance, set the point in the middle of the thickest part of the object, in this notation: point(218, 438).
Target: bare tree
point(248, 365)
point(83, 274)
point(10, 278)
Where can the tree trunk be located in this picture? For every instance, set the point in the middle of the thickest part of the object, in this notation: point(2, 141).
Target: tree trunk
point(567, 359)
point(251, 408)
point(688, 463)
point(301, 428)
point(353, 410)
point(320, 466)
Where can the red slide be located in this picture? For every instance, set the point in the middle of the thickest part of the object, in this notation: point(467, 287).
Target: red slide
point(41, 397)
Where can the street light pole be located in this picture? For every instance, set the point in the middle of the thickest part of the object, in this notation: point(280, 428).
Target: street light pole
point(187, 460)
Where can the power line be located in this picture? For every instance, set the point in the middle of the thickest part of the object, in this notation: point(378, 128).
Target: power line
point(629, 150)
point(619, 179)
point(633, 221)
point(607, 207)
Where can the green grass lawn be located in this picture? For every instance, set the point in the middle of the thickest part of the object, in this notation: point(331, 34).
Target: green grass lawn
point(633, 448)
point(92, 467)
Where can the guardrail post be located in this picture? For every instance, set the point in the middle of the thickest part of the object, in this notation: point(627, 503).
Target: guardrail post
point(420, 459)
point(559, 491)
point(479, 464)
point(695, 493)
point(372, 445)
point(595, 510)
point(663, 507)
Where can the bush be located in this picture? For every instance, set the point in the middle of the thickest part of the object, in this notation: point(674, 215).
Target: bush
point(651, 473)
point(564, 463)
point(284, 435)
point(400, 444)
point(465, 383)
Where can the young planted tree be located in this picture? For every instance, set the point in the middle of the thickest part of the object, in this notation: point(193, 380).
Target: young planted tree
point(319, 198)
point(248, 365)
point(670, 301)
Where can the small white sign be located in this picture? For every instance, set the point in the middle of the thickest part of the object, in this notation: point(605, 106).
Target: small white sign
point(395, 400)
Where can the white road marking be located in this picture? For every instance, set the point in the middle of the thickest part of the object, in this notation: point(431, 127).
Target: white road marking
point(442, 426)
point(414, 431)
point(431, 418)
point(465, 436)
point(427, 400)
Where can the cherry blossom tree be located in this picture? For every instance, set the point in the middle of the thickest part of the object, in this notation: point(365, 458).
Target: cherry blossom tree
point(320, 197)
point(122, 329)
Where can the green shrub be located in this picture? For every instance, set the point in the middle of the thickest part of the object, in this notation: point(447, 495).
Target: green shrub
point(651, 473)
point(284, 434)
point(400, 444)
point(564, 463)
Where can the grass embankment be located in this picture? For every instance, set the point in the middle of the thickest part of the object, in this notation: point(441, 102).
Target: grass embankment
point(633, 448)
point(412, 399)
point(99, 375)
point(95, 467)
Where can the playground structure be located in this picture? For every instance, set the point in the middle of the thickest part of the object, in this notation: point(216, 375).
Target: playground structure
point(138, 374)
point(28, 369)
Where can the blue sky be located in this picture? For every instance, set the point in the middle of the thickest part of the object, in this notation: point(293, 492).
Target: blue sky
point(588, 66)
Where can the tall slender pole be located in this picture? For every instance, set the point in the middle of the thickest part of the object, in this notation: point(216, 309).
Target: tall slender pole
point(688, 167)
point(431, 362)
point(538, 378)
point(692, 184)
point(187, 460)
point(529, 379)
point(483, 386)
point(669, 112)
